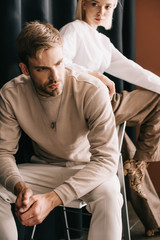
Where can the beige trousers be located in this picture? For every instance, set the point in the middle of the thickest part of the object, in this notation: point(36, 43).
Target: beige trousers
point(141, 107)
point(104, 202)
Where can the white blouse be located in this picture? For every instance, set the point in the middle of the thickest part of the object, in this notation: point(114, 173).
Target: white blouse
point(86, 49)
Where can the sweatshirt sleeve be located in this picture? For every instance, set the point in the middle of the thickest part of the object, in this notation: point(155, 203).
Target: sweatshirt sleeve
point(104, 151)
point(9, 137)
point(132, 72)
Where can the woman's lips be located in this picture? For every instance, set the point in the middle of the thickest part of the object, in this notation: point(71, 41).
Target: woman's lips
point(99, 19)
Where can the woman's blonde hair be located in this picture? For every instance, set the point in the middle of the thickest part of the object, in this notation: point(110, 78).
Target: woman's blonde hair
point(80, 13)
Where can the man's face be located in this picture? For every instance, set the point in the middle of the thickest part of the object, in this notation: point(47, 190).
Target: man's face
point(47, 71)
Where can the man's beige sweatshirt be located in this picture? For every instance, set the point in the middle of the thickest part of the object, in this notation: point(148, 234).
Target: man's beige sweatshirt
point(84, 133)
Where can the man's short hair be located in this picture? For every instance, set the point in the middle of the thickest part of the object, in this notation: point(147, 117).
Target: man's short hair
point(36, 36)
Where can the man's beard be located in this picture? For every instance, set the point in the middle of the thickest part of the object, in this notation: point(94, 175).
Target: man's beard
point(54, 92)
point(43, 89)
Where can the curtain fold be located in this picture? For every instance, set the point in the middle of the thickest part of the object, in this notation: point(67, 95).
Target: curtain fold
point(122, 35)
point(128, 33)
point(63, 12)
point(35, 10)
point(129, 48)
point(116, 36)
point(14, 14)
point(10, 28)
point(59, 12)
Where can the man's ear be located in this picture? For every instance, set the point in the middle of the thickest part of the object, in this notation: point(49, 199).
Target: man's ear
point(24, 68)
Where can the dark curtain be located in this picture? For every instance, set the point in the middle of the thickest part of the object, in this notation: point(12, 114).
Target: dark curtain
point(14, 14)
point(122, 35)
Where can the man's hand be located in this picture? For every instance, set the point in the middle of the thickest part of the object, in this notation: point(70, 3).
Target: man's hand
point(24, 195)
point(110, 84)
point(37, 208)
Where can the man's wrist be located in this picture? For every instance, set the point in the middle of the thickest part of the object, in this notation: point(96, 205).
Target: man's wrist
point(55, 199)
point(19, 187)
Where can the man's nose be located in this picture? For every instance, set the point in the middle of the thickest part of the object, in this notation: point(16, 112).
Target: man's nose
point(53, 73)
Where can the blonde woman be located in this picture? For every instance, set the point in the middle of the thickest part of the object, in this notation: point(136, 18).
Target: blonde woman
point(85, 49)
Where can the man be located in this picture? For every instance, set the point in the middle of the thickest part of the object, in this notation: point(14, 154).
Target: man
point(69, 118)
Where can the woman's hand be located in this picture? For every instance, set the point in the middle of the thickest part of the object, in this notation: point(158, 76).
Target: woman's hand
point(110, 84)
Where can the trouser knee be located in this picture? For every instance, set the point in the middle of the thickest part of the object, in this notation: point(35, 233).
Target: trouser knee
point(105, 203)
point(8, 229)
point(107, 194)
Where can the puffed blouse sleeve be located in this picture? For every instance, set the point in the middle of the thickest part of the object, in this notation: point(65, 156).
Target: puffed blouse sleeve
point(130, 71)
point(70, 47)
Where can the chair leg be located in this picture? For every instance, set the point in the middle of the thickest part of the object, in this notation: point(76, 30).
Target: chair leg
point(66, 223)
point(125, 217)
point(33, 232)
point(126, 227)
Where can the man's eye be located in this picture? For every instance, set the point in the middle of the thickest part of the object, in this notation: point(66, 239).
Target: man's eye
point(41, 69)
point(94, 4)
